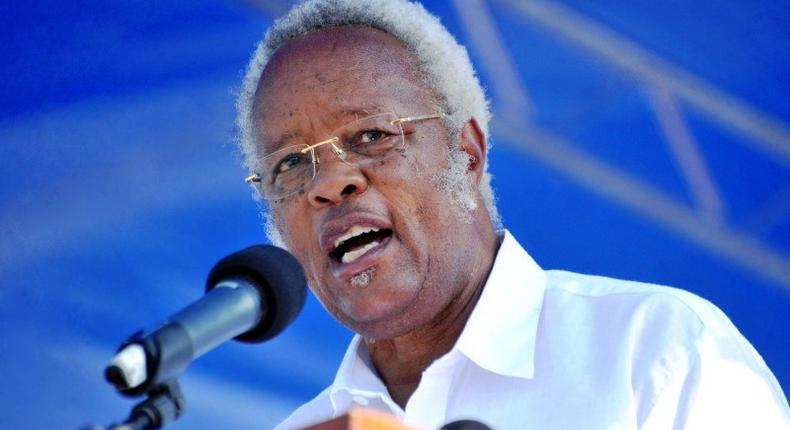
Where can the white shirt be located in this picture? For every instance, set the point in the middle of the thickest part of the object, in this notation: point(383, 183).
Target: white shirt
point(559, 350)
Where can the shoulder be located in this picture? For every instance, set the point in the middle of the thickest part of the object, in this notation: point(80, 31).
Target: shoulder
point(635, 300)
point(316, 410)
point(648, 323)
point(668, 342)
point(654, 326)
point(686, 363)
point(602, 286)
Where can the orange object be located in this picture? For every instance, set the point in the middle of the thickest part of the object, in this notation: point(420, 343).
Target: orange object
point(362, 419)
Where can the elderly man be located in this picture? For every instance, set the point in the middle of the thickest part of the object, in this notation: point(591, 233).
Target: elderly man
point(365, 130)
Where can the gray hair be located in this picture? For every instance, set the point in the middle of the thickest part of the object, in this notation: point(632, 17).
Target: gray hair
point(444, 63)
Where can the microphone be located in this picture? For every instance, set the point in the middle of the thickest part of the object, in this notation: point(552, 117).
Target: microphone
point(252, 296)
point(465, 425)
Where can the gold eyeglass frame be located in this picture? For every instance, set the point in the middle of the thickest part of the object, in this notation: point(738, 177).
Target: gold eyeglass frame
point(256, 178)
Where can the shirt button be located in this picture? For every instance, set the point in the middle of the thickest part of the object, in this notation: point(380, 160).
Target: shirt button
point(361, 400)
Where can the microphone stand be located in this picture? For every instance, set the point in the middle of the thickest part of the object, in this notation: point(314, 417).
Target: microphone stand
point(165, 403)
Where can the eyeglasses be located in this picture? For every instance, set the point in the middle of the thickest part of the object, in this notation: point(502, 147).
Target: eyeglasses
point(374, 138)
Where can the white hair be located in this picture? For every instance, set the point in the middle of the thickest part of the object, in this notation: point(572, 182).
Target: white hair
point(444, 63)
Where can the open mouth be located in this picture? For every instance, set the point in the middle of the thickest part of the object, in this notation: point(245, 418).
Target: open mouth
point(357, 242)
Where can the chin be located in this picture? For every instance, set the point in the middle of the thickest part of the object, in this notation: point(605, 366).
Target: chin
point(383, 322)
point(388, 305)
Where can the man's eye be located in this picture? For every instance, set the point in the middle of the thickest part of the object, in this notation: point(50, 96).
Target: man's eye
point(368, 136)
point(291, 161)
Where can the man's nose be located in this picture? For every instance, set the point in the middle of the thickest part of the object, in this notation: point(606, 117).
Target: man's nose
point(335, 181)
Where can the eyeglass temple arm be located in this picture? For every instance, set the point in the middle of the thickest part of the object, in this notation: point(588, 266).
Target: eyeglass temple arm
point(416, 118)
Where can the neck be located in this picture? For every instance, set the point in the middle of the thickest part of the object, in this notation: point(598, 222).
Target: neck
point(400, 361)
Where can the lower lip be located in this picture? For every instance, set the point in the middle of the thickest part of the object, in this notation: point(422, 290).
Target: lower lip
point(345, 271)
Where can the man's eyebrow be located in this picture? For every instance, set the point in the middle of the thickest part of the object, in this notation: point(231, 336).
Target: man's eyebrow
point(351, 115)
point(285, 139)
point(356, 113)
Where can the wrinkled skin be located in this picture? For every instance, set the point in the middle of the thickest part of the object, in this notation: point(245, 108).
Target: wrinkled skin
point(426, 280)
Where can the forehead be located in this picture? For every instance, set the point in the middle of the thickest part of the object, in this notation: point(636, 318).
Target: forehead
point(332, 75)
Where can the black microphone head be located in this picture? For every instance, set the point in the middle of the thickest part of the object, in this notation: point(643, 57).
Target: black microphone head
point(280, 279)
point(466, 425)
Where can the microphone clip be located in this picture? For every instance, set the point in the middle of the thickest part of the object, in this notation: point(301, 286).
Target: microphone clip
point(165, 403)
point(146, 362)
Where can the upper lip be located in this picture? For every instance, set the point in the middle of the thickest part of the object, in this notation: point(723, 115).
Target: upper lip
point(334, 228)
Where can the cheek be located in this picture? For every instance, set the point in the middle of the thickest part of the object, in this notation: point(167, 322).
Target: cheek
point(401, 181)
point(320, 294)
point(286, 210)
point(295, 230)
point(431, 203)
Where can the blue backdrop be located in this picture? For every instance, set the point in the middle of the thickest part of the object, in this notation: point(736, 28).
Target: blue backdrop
point(636, 139)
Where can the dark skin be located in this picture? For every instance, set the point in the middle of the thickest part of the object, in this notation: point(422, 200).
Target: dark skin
point(429, 275)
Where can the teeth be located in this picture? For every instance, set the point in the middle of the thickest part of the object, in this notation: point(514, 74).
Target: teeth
point(353, 232)
point(353, 255)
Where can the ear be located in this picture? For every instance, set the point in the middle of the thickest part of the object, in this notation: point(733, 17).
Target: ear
point(472, 141)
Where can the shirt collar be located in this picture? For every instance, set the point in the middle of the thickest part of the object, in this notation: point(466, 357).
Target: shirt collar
point(499, 335)
point(501, 332)
point(355, 377)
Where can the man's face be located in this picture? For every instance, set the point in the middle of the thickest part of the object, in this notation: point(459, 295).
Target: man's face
point(415, 261)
